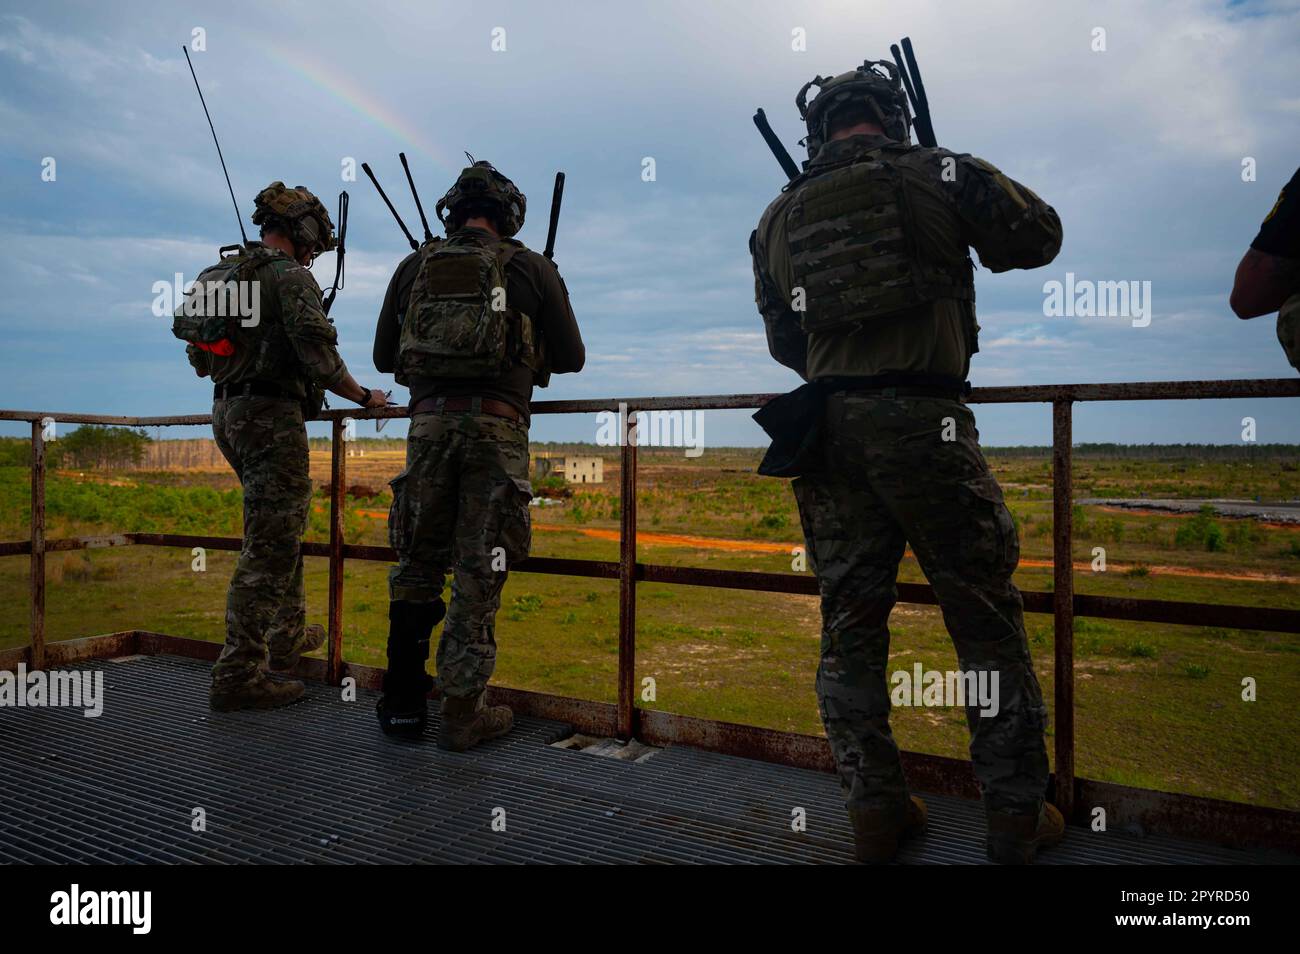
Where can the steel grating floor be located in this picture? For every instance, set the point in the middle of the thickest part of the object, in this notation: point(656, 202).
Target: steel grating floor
point(317, 782)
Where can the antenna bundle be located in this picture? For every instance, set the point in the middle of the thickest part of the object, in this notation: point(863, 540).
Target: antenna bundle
point(911, 76)
point(365, 167)
point(556, 197)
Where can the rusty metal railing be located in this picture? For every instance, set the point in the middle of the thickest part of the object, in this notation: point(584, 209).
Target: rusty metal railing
point(629, 720)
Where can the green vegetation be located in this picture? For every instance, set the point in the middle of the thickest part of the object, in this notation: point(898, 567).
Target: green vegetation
point(1156, 705)
point(1201, 532)
point(93, 446)
point(86, 446)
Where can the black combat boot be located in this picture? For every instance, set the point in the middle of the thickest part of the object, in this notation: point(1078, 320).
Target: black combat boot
point(877, 832)
point(1015, 839)
point(467, 722)
point(402, 709)
point(260, 692)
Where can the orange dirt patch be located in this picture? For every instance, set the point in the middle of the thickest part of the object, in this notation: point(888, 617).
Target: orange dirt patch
point(1246, 575)
point(677, 540)
point(764, 546)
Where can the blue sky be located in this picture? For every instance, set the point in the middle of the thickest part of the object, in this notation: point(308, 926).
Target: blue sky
point(1139, 148)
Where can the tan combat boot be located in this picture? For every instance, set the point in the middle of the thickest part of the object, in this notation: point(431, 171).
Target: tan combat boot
point(262, 692)
point(877, 832)
point(1015, 839)
point(313, 638)
point(467, 722)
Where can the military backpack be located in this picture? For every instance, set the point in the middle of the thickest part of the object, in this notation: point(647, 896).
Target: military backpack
point(458, 321)
point(221, 310)
point(853, 246)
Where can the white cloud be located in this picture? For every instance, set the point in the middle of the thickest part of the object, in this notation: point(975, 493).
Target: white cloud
point(1138, 148)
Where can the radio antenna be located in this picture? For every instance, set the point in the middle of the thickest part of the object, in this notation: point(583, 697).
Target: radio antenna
point(365, 167)
point(428, 236)
point(217, 143)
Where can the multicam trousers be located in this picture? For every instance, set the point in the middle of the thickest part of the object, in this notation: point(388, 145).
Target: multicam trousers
point(890, 478)
point(265, 441)
point(461, 504)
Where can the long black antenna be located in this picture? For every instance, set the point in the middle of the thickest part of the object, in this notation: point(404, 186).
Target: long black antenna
point(775, 144)
point(365, 167)
point(556, 198)
point(916, 74)
point(340, 250)
point(428, 236)
point(238, 218)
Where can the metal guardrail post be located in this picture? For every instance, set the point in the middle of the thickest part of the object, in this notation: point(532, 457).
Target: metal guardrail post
point(627, 583)
point(38, 547)
point(1063, 601)
point(338, 475)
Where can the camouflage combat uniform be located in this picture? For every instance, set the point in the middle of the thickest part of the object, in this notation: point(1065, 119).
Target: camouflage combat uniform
point(461, 503)
point(885, 476)
point(264, 438)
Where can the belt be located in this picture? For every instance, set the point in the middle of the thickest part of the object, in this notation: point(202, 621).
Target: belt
point(475, 405)
point(901, 384)
point(234, 389)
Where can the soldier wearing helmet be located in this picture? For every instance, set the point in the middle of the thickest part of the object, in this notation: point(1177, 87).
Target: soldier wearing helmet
point(866, 288)
point(470, 324)
point(270, 368)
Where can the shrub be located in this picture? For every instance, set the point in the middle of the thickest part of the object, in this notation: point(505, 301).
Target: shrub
point(1201, 532)
point(527, 603)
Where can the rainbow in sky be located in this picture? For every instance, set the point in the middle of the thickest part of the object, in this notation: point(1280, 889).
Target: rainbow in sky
point(361, 101)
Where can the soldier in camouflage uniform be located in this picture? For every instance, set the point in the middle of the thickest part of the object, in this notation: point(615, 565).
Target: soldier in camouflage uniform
point(866, 289)
point(270, 370)
point(470, 323)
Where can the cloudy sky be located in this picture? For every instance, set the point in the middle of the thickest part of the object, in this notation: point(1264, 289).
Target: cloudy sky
point(1139, 147)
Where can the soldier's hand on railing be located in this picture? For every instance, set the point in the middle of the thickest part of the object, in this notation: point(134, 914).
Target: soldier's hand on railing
point(377, 398)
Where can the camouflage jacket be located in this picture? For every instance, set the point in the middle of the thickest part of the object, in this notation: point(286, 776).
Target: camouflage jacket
point(956, 202)
point(296, 342)
point(534, 285)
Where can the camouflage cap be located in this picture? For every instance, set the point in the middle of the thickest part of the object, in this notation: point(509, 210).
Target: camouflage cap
point(300, 211)
point(481, 182)
point(875, 84)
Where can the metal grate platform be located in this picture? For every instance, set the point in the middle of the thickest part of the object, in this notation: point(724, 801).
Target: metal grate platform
point(318, 783)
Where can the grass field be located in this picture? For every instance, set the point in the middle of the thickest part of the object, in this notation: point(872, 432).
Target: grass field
point(1157, 706)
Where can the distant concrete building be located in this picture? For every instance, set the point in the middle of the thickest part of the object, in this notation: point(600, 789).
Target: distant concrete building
point(575, 470)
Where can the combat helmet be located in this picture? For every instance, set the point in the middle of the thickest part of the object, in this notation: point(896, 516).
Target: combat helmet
point(298, 211)
point(875, 84)
point(480, 182)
